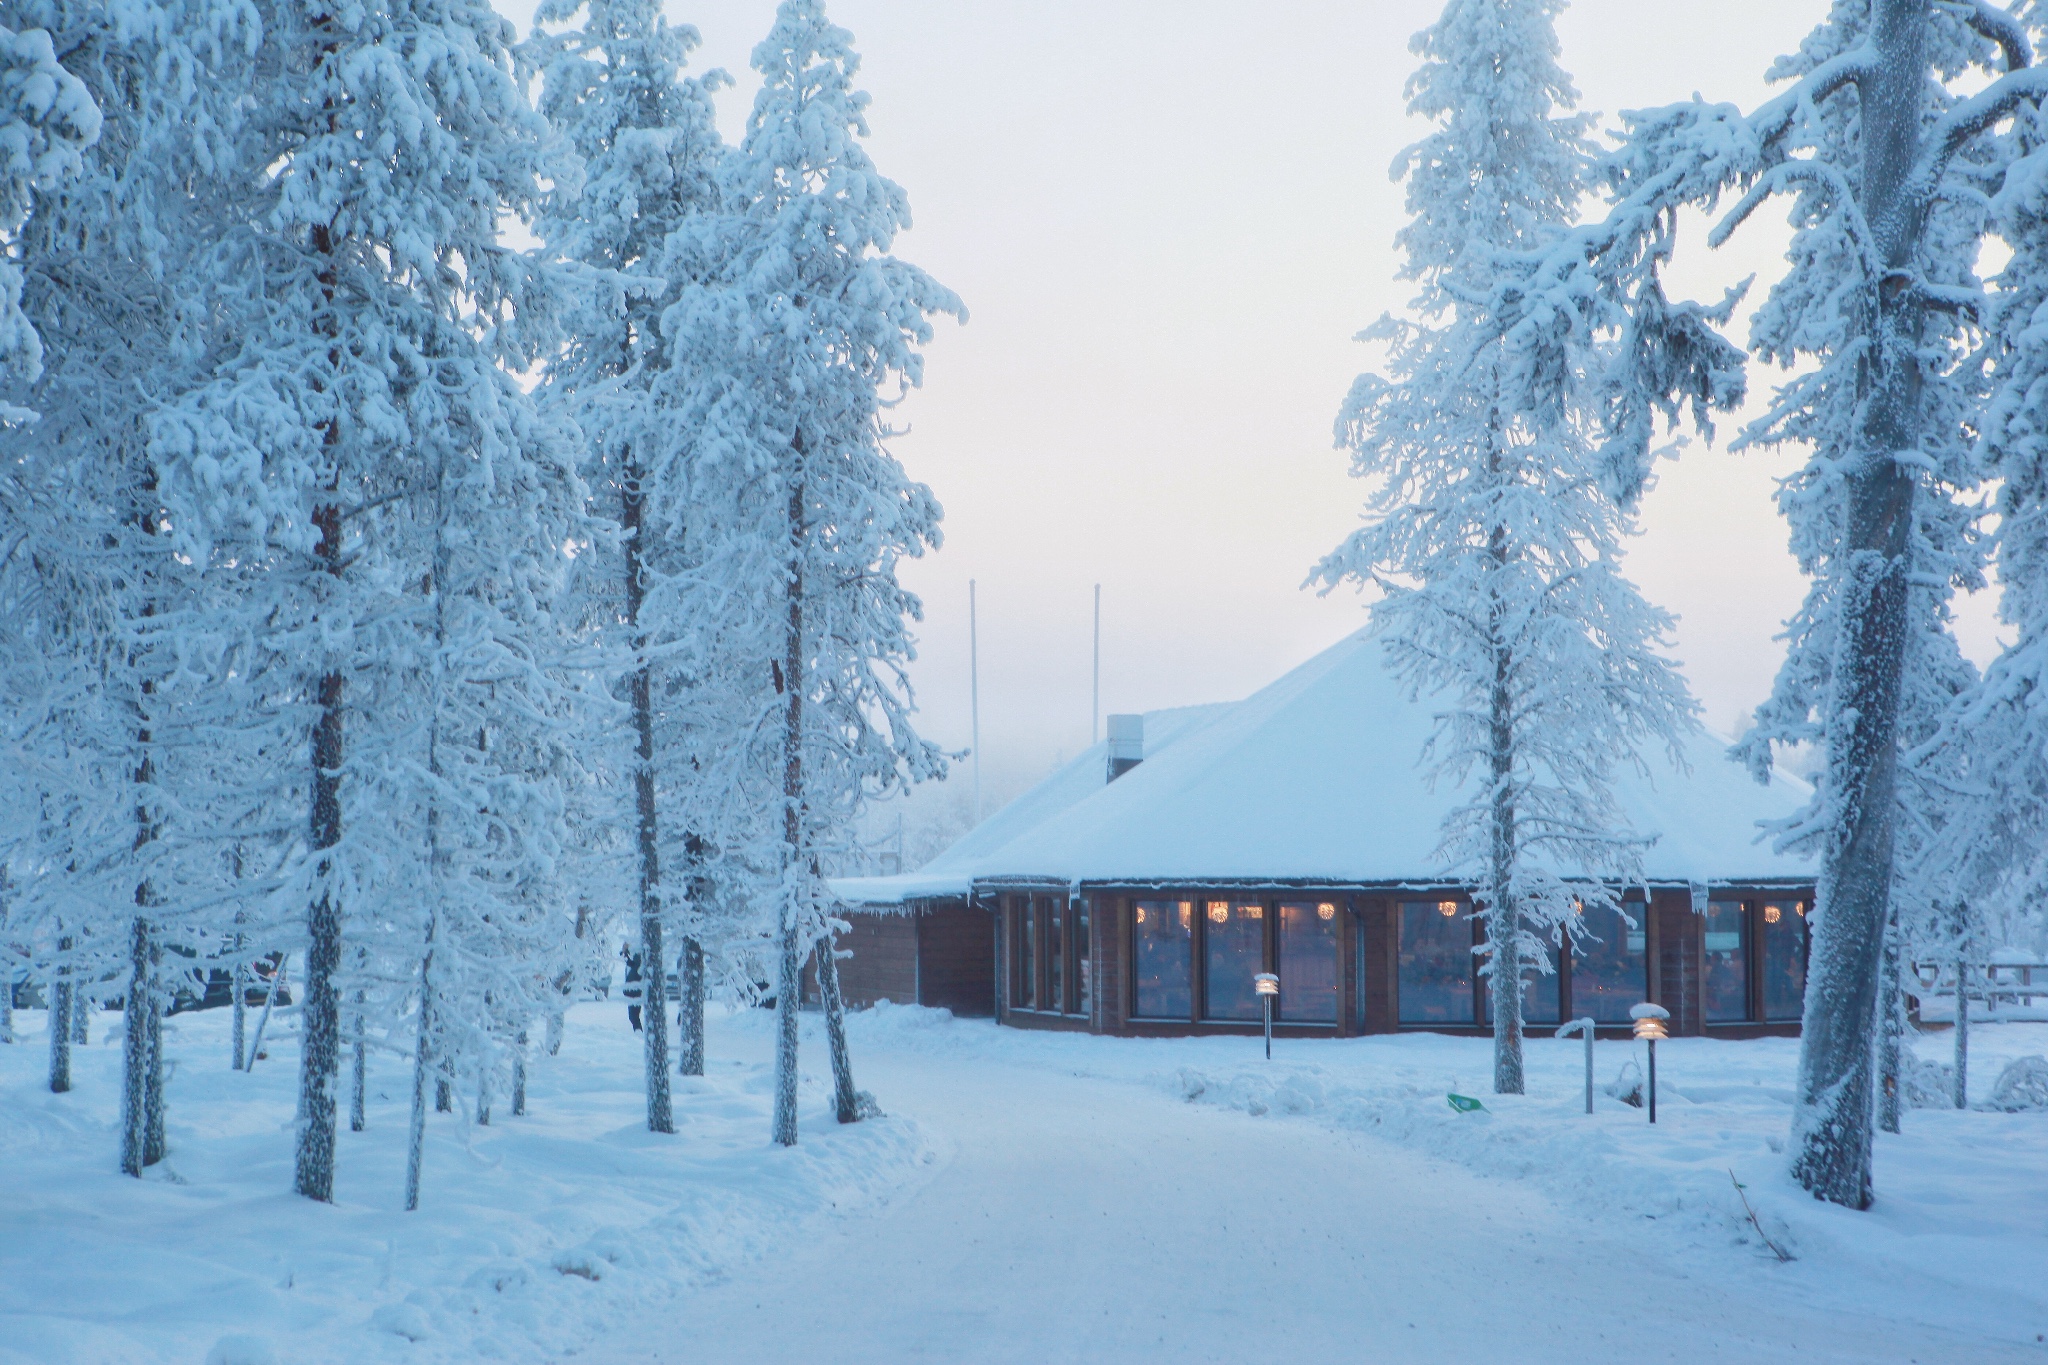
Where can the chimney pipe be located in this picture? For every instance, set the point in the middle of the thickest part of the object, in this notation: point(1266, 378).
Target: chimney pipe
point(1126, 744)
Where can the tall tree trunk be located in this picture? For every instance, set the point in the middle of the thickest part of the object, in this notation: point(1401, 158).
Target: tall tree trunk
point(1831, 1118)
point(416, 1124)
point(1962, 1087)
point(320, 1014)
point(519, 1075)
point(1503, 911)
point(654, 992)
point(59, 1015)
point(690, 1014)
point(240, 1006)
point(845, 1099)
point(81, 1014)
point(357, 1120)
point(134, 1048)
point(789, 986)
point(153, 1057)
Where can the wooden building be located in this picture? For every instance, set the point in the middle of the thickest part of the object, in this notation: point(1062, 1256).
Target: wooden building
point(1139, 889)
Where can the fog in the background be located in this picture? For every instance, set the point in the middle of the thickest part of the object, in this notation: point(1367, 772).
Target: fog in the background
point(1168, 220)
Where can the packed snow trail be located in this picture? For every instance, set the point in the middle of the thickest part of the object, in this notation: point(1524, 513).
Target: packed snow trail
point(1083, 1219)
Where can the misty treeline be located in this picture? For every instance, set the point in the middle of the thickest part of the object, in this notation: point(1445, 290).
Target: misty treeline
point(401, 621)
point(1543, 370)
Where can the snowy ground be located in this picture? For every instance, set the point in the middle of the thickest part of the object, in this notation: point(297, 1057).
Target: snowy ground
point(533, 1235)
point(1033, 1197)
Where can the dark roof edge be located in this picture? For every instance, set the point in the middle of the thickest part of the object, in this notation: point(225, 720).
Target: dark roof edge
point(1023, 883)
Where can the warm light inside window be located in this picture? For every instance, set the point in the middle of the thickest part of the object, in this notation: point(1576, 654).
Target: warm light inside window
point(1326, 911)
point(1447, 908)
point(1141, 914)
point(1219, 911)
point(1187, 913)
point(1772, 914)
point(1252, 911)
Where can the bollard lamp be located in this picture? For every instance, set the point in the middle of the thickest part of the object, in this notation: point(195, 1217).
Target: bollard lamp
point(1267, 987)
point(1649, 1020)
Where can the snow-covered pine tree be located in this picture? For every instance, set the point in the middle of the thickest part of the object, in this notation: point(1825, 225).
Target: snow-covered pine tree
point(1930, 84)
point(105, 624)
point(797, 333)
point(1493, 545)
point(371, 296)
point(1992, 869)
point(649, 142)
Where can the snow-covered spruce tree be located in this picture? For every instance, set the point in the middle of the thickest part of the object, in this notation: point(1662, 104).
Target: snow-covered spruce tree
point(650, 147)
point(381, 144)
point(1901, 185)
point(47, 120)
point(797, 332)
point(1488, 535)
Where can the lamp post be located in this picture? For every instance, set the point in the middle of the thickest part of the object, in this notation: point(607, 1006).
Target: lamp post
point(1650, 1027)
point(1268, 986)
point(1583, 1026)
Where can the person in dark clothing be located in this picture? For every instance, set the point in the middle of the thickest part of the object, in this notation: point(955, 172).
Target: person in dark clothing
point(632, 991)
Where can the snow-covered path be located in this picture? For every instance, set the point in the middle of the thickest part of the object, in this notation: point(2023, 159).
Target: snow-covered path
point(1076, 1218)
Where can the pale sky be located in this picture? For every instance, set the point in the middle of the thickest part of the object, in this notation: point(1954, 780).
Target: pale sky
point(1168, 218)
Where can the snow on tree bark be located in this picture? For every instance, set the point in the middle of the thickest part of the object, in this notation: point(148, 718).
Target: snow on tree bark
point(845, 1098)
point(59, 1016)
point(134, 1049)
point(690, 1014)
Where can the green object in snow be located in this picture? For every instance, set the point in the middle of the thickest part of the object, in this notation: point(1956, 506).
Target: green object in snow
point(1464, 1104)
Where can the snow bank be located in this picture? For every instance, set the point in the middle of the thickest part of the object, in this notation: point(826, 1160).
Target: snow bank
point(535, 1234)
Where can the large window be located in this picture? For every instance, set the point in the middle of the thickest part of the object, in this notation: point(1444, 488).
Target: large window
point(1435, 963)
point(1162, 934)
point(1055, 954)
point(1084, 982)
point(1539, 994)
point(1784, 966)
point(1233, 952)
point(1725, 990)
point(1608, 973)
point(1306, 958)
point(1027, 953)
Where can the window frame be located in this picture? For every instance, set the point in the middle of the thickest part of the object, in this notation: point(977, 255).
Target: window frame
point(1197, 1015)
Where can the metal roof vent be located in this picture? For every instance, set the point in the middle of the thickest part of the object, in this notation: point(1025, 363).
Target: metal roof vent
point(1126, 744)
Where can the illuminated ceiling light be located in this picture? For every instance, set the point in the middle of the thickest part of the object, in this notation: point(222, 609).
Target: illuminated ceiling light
point(1141, 914)
point(1447, 908)
point(1218, 912)
point(1252, 911)
point(1772, 914)
point(1326, 911)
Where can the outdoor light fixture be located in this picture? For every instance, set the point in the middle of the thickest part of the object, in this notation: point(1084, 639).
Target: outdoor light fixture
point(1268, 986)
point(1649, 1028)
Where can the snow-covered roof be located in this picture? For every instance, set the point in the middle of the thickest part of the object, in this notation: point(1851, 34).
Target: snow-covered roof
point(951, 873)
point(1317, 777)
